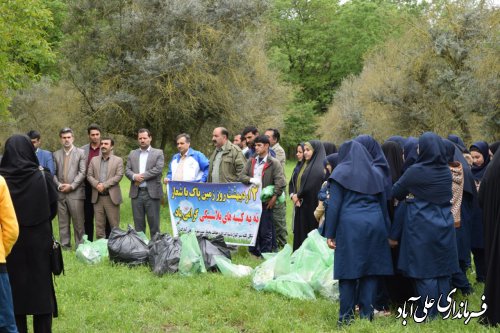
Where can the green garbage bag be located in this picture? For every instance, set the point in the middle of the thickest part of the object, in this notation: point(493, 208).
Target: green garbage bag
point(86, 253)
point(291, 285)
point(101, 245)
point(227, 268)
point(306, 263)
point(323, 282)
point(191, 261)
point(271, 268)
point(143, 236)
point(268, 255)
point(316, 244)
point(268, 191)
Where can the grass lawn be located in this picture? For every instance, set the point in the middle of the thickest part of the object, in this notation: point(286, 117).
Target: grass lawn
point(115, 298)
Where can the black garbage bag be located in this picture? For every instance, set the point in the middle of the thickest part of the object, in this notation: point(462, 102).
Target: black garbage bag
point(211, 247)
point(164, 254)
point(127, 247)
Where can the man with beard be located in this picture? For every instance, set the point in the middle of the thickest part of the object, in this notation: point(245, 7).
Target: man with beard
point(225, 151)
point(104, 175)
point(69, 177)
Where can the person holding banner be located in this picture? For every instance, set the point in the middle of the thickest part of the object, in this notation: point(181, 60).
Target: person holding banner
point(187, 165)
point(264, 170)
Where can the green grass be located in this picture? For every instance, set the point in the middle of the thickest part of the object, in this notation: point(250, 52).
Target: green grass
point(115, 298)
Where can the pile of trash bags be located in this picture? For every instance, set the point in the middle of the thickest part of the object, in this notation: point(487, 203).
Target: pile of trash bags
point(303, 274)
point(189, 254)
point(300, 274)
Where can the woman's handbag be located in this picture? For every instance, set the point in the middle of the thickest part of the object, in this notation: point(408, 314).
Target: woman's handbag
point(56, 258)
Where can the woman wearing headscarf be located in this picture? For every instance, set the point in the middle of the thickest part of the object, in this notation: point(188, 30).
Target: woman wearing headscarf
point(329, 163)
point(493, 148)
point(330, 147)
point(428, 249)
point(292, 184)
point(461, 146)
point(410, 154)
point(29, 263)
point(398, 139)
point(309, 180)
point(481, 158)
point(489, 197)
point(379, 160)
point(399, 288)
point(459, 171)
point(356, 226)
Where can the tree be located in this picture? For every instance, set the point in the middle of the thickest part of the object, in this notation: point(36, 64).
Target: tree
point(24, 46)
point(433, 78)
point(317, 43)
point(172, 66)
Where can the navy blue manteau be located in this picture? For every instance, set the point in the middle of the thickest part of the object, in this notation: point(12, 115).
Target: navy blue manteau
point(428, 245)
point(357, 216)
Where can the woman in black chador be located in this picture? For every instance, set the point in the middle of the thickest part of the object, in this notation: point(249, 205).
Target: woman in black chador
point(35, 202)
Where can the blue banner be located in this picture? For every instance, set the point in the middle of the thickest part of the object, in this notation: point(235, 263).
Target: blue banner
point(232, 210)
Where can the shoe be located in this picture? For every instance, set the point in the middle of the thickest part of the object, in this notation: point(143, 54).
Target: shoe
point(382, 313)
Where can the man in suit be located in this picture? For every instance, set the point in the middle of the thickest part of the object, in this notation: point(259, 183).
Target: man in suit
point(91, 150)
point(44, 156)
point(144, 169)
point(104, 175)
point(69, 177)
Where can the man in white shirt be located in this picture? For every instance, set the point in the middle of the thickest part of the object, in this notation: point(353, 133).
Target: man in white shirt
point(144, 169)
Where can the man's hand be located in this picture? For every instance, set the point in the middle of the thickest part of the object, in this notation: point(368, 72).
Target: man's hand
point(165, 181)
point(331, 243)
point(255, 181)
point(65, 188)
point(271, 203)
point(139, 177)
point(100, 187)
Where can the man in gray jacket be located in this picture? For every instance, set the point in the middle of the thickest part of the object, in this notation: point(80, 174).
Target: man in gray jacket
point(144, 169)
point(70, 174)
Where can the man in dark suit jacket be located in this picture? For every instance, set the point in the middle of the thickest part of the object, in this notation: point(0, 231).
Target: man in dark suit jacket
point(91, 150)
point(104, 175)
point(144, 169)
point(44, 156)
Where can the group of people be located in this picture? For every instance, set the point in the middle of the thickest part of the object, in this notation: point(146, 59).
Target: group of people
point(403, 217)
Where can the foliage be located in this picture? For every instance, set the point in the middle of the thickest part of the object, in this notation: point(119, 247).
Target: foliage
point(441, 75)
point(172, 66)
point(25, 48)
point(318, 43)
point(300, 123)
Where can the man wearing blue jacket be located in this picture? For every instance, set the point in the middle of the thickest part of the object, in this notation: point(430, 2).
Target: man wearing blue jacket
point(187, 165)
point(44, 156)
